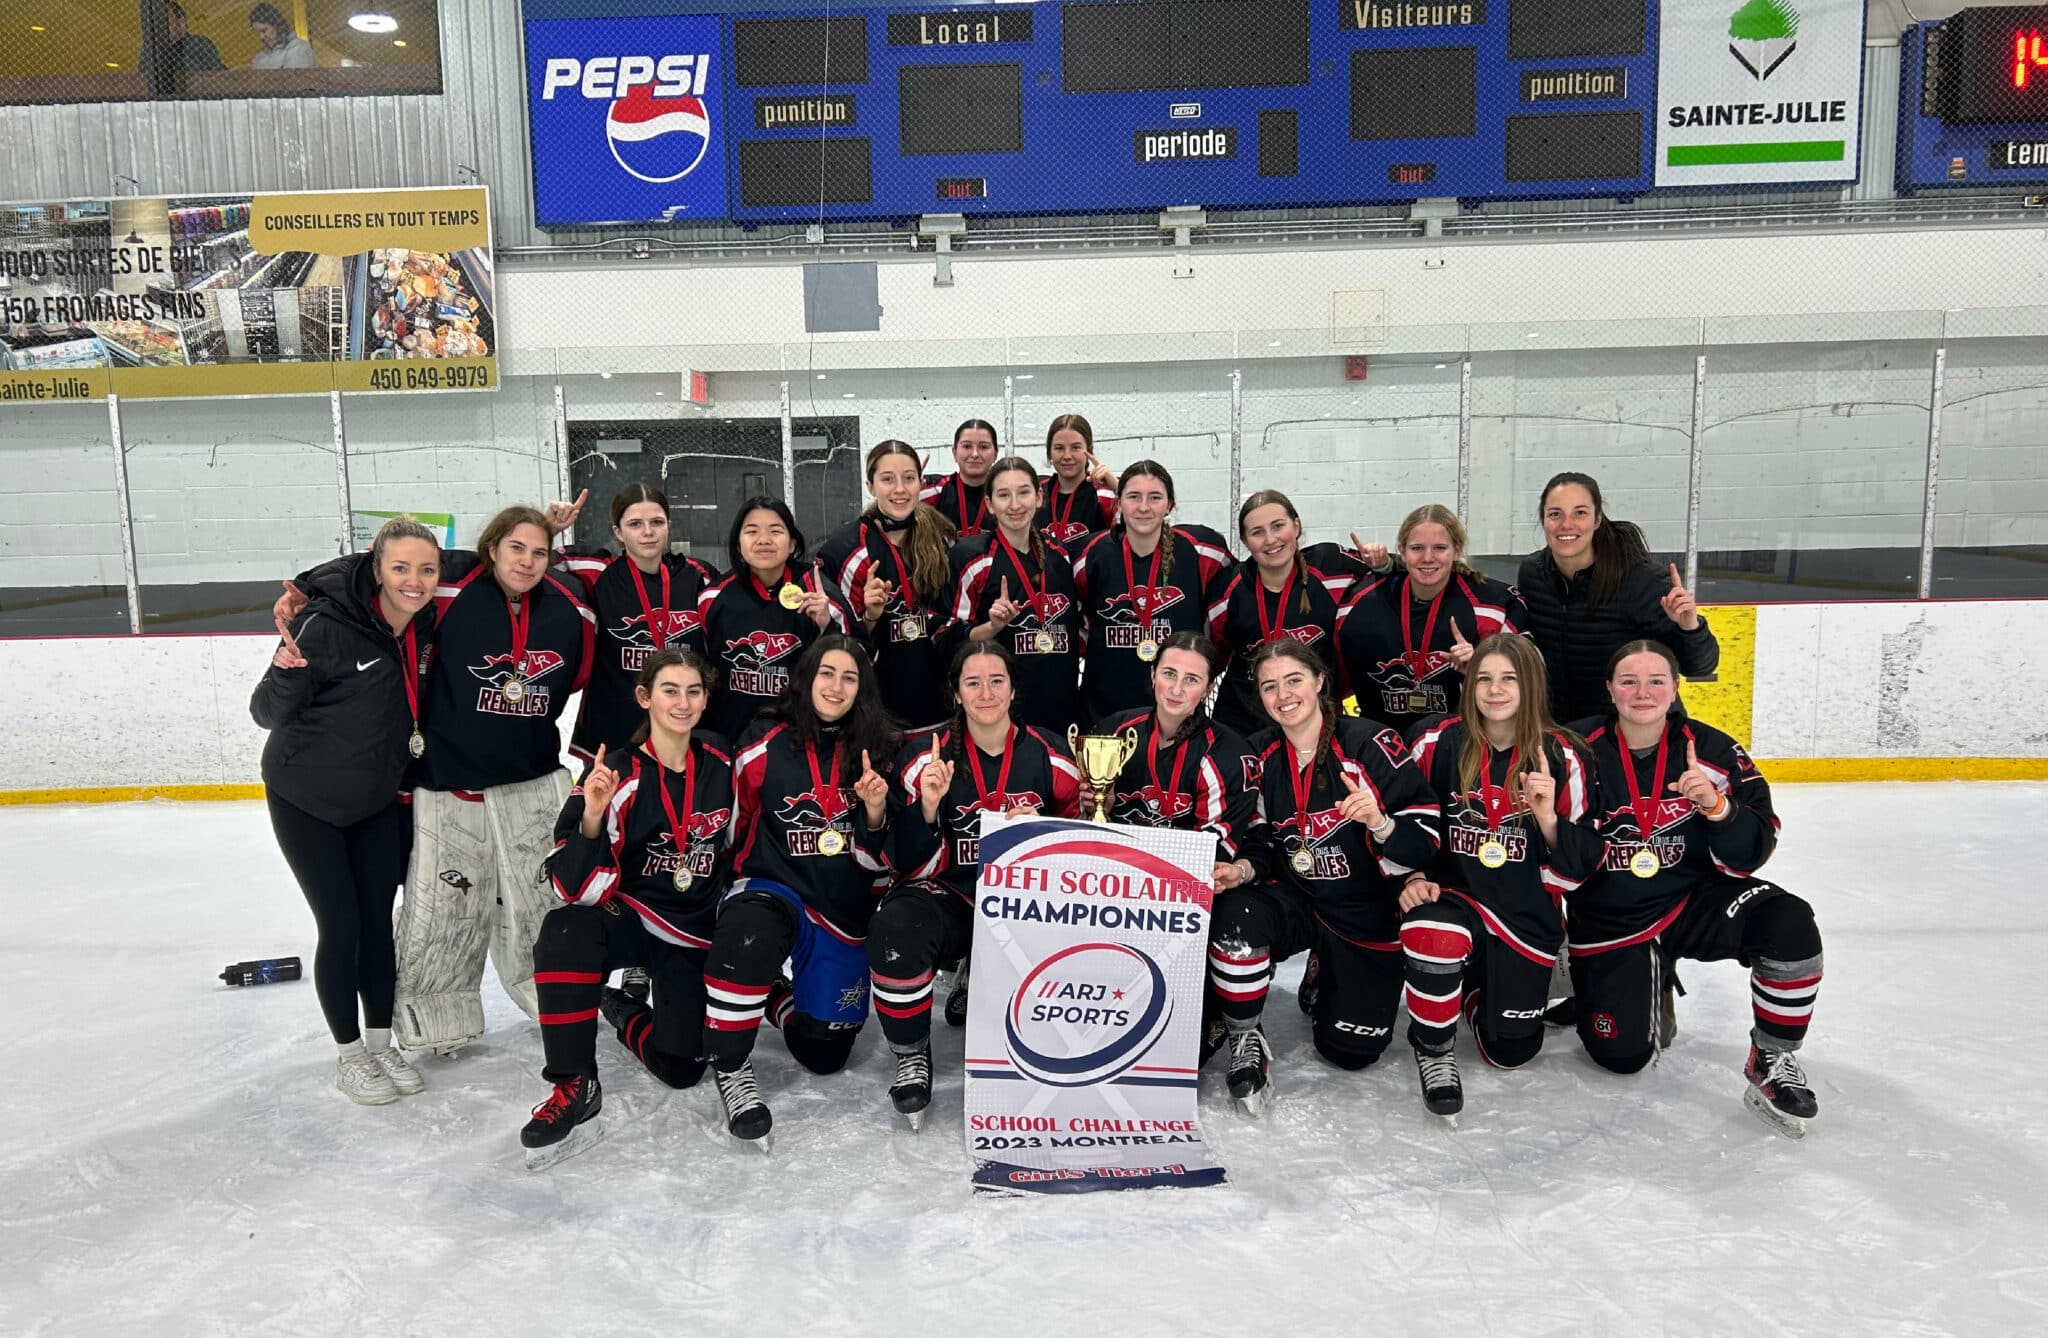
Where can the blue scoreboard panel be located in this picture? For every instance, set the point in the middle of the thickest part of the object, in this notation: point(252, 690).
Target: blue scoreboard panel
point(1104, 105)
point(1974, 100)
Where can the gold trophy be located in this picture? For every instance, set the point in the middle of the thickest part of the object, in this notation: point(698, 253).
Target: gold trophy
point(1101, 758)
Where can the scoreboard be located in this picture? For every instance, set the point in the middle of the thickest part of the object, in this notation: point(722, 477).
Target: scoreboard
point(1974, 99)
point(1087, 106)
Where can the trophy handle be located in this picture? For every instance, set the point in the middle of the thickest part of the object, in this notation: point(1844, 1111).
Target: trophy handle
point(1129, 740)
point(1074, 740)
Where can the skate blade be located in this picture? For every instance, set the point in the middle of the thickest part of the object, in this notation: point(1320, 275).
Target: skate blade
point(1791, 1126)
point(1251, 1107)
point(916, 1119)
point(582, 1138)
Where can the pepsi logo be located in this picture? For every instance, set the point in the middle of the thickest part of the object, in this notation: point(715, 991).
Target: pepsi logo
point(657, 139)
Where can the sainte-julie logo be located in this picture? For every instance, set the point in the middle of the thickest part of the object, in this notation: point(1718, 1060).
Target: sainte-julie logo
point(1087, 1014)
point(1762, 35)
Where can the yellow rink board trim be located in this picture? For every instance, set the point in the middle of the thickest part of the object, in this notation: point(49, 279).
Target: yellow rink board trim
point(1782, 771)
point(1728, 701)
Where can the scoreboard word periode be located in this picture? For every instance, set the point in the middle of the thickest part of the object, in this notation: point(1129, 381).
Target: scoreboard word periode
point(1096, 105)
point(1974, 99)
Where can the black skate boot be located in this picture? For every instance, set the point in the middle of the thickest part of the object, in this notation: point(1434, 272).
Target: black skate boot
point(619, 1007)
point(636, 982)
point(1306, 995)
point(956, 998)
point(564, 1124)
point(746, 1114)
point(1442, 1090)
point(1251, 1060)
point(912, 1090)
point(1778, 1091)
point(1215, 1035)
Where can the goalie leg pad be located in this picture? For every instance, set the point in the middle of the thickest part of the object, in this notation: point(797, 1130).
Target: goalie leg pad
point(444, 925)
point(521, 820)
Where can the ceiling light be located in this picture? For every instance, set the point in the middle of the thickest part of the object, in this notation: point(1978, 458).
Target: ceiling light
point(604, 376)
point(847, 396)
point(37, 28)
point(1027, 376)
point(113, 64)
point(398, 41)
point(373, 23)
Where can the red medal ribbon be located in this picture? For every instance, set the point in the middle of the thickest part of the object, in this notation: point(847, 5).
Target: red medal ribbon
point(904, 588)
point(1036, 601)
point(981, 512)
point(1180, 760)
point(521, 613)
point(766, 596)
point(658, 631)
point(668, 804)
point(1072, 498)
point(1143, 605)
point(833, 806)
point(1436, 605)
point(412, 666)
point(1302, 779)
point(1645, 809)
point(1499, 810)
point(990, 799)
point(1279, 627)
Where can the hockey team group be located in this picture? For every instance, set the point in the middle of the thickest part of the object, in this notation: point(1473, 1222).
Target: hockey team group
point(785, 766)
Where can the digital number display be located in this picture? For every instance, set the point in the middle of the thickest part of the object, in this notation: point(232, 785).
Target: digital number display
point(1555, 29)
point(961, 108)
point(1589, 146)
point(808, 52)
point(1413, 92)
point(806, 171)
point(1991, 65)
point(1170, 45)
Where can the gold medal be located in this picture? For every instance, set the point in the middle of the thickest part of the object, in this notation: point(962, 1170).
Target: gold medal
point(1645, 864)
point(1148, 650)
point(790, 596)
point(1418, 700)
point(910, 629)
point(1493, 854)
point(683, 879)
point(830, 842)
point(514, 689)
point(1301, 861)
point(1043, 643)
point(417, 744)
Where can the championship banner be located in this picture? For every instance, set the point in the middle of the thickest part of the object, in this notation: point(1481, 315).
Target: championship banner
point(1084, 1023)
point(291, 294)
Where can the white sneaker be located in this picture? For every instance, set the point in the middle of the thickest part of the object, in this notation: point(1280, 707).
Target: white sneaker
point(363, 1080)
point(403, 1075)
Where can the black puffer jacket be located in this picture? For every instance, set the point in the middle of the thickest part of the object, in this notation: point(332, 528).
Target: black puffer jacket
point(1576, 639)
point(339, 727)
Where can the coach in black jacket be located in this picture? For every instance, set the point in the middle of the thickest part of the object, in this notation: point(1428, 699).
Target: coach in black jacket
point(341, 701)
point(1593, 589)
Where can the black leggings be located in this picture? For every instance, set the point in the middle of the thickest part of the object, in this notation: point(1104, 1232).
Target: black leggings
point(350, 876)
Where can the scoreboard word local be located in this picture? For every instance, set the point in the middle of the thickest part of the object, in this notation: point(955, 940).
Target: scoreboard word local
point(1105, 105)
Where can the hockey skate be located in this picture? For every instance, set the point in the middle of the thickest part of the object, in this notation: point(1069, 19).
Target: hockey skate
point(912, 1090)
point(1306, 995)
point(746, 1114)
point(619, 1007)
point(956, 998)
point(1251, 1060)
point(1442, 1090)
point(564, 1124)
point(635, 981)
point(1778, 1091)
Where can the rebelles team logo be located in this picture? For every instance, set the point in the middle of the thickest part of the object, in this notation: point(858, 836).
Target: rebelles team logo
point(1667, 817)
point(758, 648)
point(1087, 1014)
point(498, 670)
point(1407, 675)
point(658, 128)
point(1123, 609)
point(1024, 631)
point(1153, 806)
point(967, 819)
point(806, 816)
point(1064, 531)
point(640, 639)
point(702, 830)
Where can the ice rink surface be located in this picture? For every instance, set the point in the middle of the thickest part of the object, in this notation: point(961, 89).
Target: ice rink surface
point(178, 1161)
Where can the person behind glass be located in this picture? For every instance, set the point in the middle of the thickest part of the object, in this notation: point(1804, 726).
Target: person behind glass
point(1080, 495)
point(891, 566)
point(1188, 770)
point(640, 860)
point(514, 643)
point(1012, 586)
point(1139, 583)
point(341, 700)
point(283, 49)
point(1592, 588)
point(1343, 816)
point(813, 814)
point(1481, 925)
point(1405, 638)
point(645, 599)
point(185, 51)
point(962, 496)
point(980, 762)
point(1685, 819)
point(1282, 589)
point(772, 604)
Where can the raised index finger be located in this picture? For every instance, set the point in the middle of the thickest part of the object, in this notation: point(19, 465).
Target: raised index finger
point(1677, 582)
point(865, 765)
point(1543, 761)
point(1692, 756)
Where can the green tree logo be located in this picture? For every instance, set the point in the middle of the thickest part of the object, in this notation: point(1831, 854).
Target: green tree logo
point(1762, 34)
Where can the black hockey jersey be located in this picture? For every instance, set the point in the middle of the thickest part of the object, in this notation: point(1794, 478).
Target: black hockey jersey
point(1048, 677)
point(1519, 899)
point(910, 640)
point(1195, 783)
point(1393, 654)
point(1176, 593)
point(755, 642)
point(637, 614)
point(1245, 613)
point(789, 796)
point(966, 506)
point(634, 856)
point(1617, 907)
point(1353, 880)
point(1037, 771)
point(1068, 518)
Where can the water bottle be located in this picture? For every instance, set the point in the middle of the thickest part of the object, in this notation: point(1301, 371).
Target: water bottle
point(265, 972)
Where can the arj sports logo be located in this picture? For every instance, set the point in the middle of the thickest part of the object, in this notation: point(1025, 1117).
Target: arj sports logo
point(658, 127)
point(1087, 1014)
point(1762, 35)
